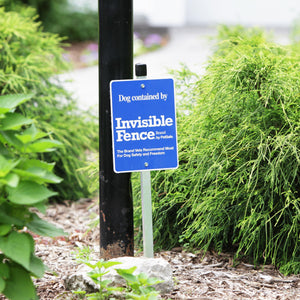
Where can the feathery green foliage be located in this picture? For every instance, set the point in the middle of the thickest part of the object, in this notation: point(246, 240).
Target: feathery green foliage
point(238, 184)
point(295, 35)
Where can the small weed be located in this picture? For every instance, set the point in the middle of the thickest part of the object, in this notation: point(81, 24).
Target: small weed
point(139, 287)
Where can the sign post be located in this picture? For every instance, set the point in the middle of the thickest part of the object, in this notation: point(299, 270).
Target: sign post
point(147, 213)
point(141, 73)
point(144, 135)
point(115, 62)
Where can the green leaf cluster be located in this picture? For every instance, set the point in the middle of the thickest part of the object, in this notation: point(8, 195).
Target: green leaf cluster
point(237, 187)
point(30, 59)
point(139, 287)
point(23, 184)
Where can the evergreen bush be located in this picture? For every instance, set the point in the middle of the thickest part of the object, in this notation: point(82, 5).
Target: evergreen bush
point(238, 184)
point(29, 61)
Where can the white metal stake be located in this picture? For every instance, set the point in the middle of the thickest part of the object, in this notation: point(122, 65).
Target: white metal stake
point(147, 213)
point(141, 73)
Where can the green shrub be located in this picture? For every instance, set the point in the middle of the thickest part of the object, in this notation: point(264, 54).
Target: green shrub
point(75, 26)
point(29, 60)
point(23, 185)
point(237, 187)
point(57, 16)
point(295, 35)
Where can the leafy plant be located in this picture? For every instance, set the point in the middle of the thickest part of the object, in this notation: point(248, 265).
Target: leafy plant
point(29, 60)
point(99, 269)
point(237, 187)
point(137, 286)
point(23, 185)
point(140, 287)
point(57, 16)
point(63, 22)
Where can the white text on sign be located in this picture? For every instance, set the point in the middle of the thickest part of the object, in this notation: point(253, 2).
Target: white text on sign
point(152, 121)
point(143, 97)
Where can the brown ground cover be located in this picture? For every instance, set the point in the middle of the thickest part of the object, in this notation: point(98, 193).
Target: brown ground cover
point(211, 277)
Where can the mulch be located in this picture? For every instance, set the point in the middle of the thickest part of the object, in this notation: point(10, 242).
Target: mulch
point(214, 276)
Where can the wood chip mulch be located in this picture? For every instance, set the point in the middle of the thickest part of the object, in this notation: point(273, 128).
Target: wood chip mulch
point(211, 277)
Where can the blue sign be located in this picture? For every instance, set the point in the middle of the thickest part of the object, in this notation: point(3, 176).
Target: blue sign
point(143, 125)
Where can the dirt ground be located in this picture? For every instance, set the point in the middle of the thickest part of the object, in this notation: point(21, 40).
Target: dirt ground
point(211, 277)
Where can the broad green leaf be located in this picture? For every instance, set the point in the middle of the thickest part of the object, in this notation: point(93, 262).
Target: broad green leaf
point(92, 265)
point(154, 280)
point(95, 276)
point(10, 138)
point(108, 264)
point(41, 206)
point(4, 229)
point(128, 271)
point(12, 180)
point(19, 286)
point(4, 270)
point(6, 219)
point(14, 215)
point(127, 274)
point(44, 228)
point(43, 145)
point(142, 278)
point(3, 148)
point(18, 247)
point(29, 163)
point(2, 285)
point(9, 102)
point(37, 267)
point(28, 193)
point(6, 165)
point(106, 282)
point(31, 134)
point(38, 174)
point(14, 121)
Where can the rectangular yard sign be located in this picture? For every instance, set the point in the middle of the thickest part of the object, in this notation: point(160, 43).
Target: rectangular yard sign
point(143, 125)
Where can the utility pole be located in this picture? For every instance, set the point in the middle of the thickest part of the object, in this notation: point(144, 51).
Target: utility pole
point(115, 62)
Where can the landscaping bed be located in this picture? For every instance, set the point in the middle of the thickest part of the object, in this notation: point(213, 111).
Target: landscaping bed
point(211, 277)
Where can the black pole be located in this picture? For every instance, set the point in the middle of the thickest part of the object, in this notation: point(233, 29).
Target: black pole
point(116, 62)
